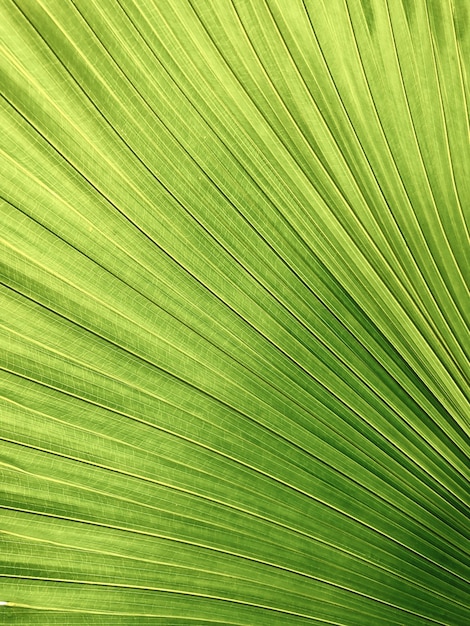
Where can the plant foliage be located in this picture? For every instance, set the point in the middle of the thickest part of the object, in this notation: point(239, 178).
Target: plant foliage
point(234, 312)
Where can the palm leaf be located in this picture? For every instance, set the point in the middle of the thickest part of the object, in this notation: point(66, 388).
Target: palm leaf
point(234, 312)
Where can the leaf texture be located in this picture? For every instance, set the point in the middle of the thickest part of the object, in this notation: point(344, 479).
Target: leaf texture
point(234, 312)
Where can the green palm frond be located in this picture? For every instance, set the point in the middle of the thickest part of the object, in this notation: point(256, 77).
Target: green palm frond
point(234, 312)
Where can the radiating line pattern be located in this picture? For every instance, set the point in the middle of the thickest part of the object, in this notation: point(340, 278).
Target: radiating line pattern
point(234, 312)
